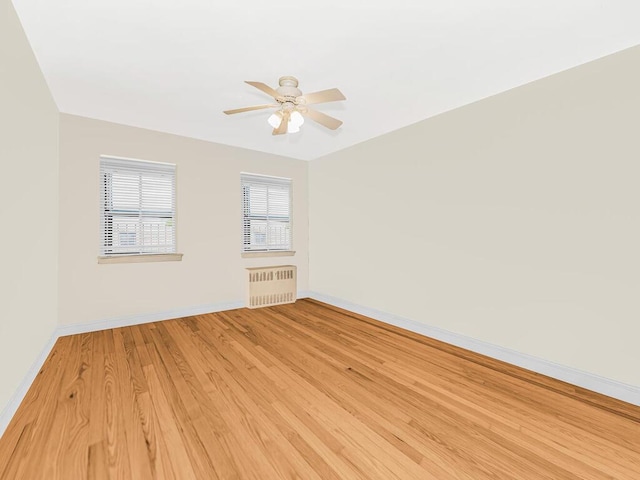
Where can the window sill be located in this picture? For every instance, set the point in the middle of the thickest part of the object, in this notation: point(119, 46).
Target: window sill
point(273, 253)
point(161, 257)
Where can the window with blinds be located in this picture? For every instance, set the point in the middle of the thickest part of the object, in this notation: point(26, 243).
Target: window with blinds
point(266, 213)
point(137, 207)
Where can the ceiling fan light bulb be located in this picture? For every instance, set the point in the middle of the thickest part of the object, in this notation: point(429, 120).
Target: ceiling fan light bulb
point(296, 119)
point(274, 120)
point(293, 128)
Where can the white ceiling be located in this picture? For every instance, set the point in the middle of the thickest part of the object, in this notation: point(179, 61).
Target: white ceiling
point(174, 66)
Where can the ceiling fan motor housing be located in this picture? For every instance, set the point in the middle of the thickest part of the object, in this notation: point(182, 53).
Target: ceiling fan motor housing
point(288, 89)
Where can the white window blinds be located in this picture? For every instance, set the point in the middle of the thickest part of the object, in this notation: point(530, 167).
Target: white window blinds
point(266, 213)
point(137, 207)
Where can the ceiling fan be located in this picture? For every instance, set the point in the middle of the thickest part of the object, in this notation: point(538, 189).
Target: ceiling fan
point(293, 106)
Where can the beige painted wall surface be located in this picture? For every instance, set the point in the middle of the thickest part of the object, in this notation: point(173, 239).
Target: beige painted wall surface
point(515, 220)
point(208, 223)
point(28, 206)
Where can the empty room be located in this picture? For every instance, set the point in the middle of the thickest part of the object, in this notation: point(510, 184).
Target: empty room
point(334, 240)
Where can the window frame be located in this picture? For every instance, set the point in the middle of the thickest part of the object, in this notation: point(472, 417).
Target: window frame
point(247, 248)
point(146, 216)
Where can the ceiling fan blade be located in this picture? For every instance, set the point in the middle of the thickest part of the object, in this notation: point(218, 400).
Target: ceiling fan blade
point(265, 88)
point(248, 109)
point(284, 123)
point(331, 95)
point(322, 119)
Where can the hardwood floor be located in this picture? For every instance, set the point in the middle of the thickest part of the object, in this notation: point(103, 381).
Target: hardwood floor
point(304, 391)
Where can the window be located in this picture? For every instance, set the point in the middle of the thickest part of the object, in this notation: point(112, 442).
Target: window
point(266, 213)
point(137, 207)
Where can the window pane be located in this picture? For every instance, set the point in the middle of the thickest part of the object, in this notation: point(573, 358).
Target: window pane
point(257, 200)
point(137, 207)
point(266, 208)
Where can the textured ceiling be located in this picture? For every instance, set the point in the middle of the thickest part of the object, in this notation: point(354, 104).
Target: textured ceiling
point(174, 66)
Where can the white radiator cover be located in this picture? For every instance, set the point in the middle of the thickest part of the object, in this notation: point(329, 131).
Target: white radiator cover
point(271, 286)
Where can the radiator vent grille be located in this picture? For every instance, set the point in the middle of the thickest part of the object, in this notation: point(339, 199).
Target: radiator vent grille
point(271, 286)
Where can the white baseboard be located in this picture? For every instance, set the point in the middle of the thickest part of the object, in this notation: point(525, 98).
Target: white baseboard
point(16, 399)
point(582, 379)
point(590, 381)
point(128, 320)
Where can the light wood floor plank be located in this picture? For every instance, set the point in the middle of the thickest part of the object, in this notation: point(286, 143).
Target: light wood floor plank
point(131, 385)
point(305, 391)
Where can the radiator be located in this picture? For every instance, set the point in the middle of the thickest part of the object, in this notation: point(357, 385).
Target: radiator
point(271, 286)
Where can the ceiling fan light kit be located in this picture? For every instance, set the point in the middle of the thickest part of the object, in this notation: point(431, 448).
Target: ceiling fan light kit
point(293, 125)
point(292, 106)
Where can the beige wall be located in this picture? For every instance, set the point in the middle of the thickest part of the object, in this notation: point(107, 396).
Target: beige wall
point(28, 207)
point(208, 223)
point(515, 220)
